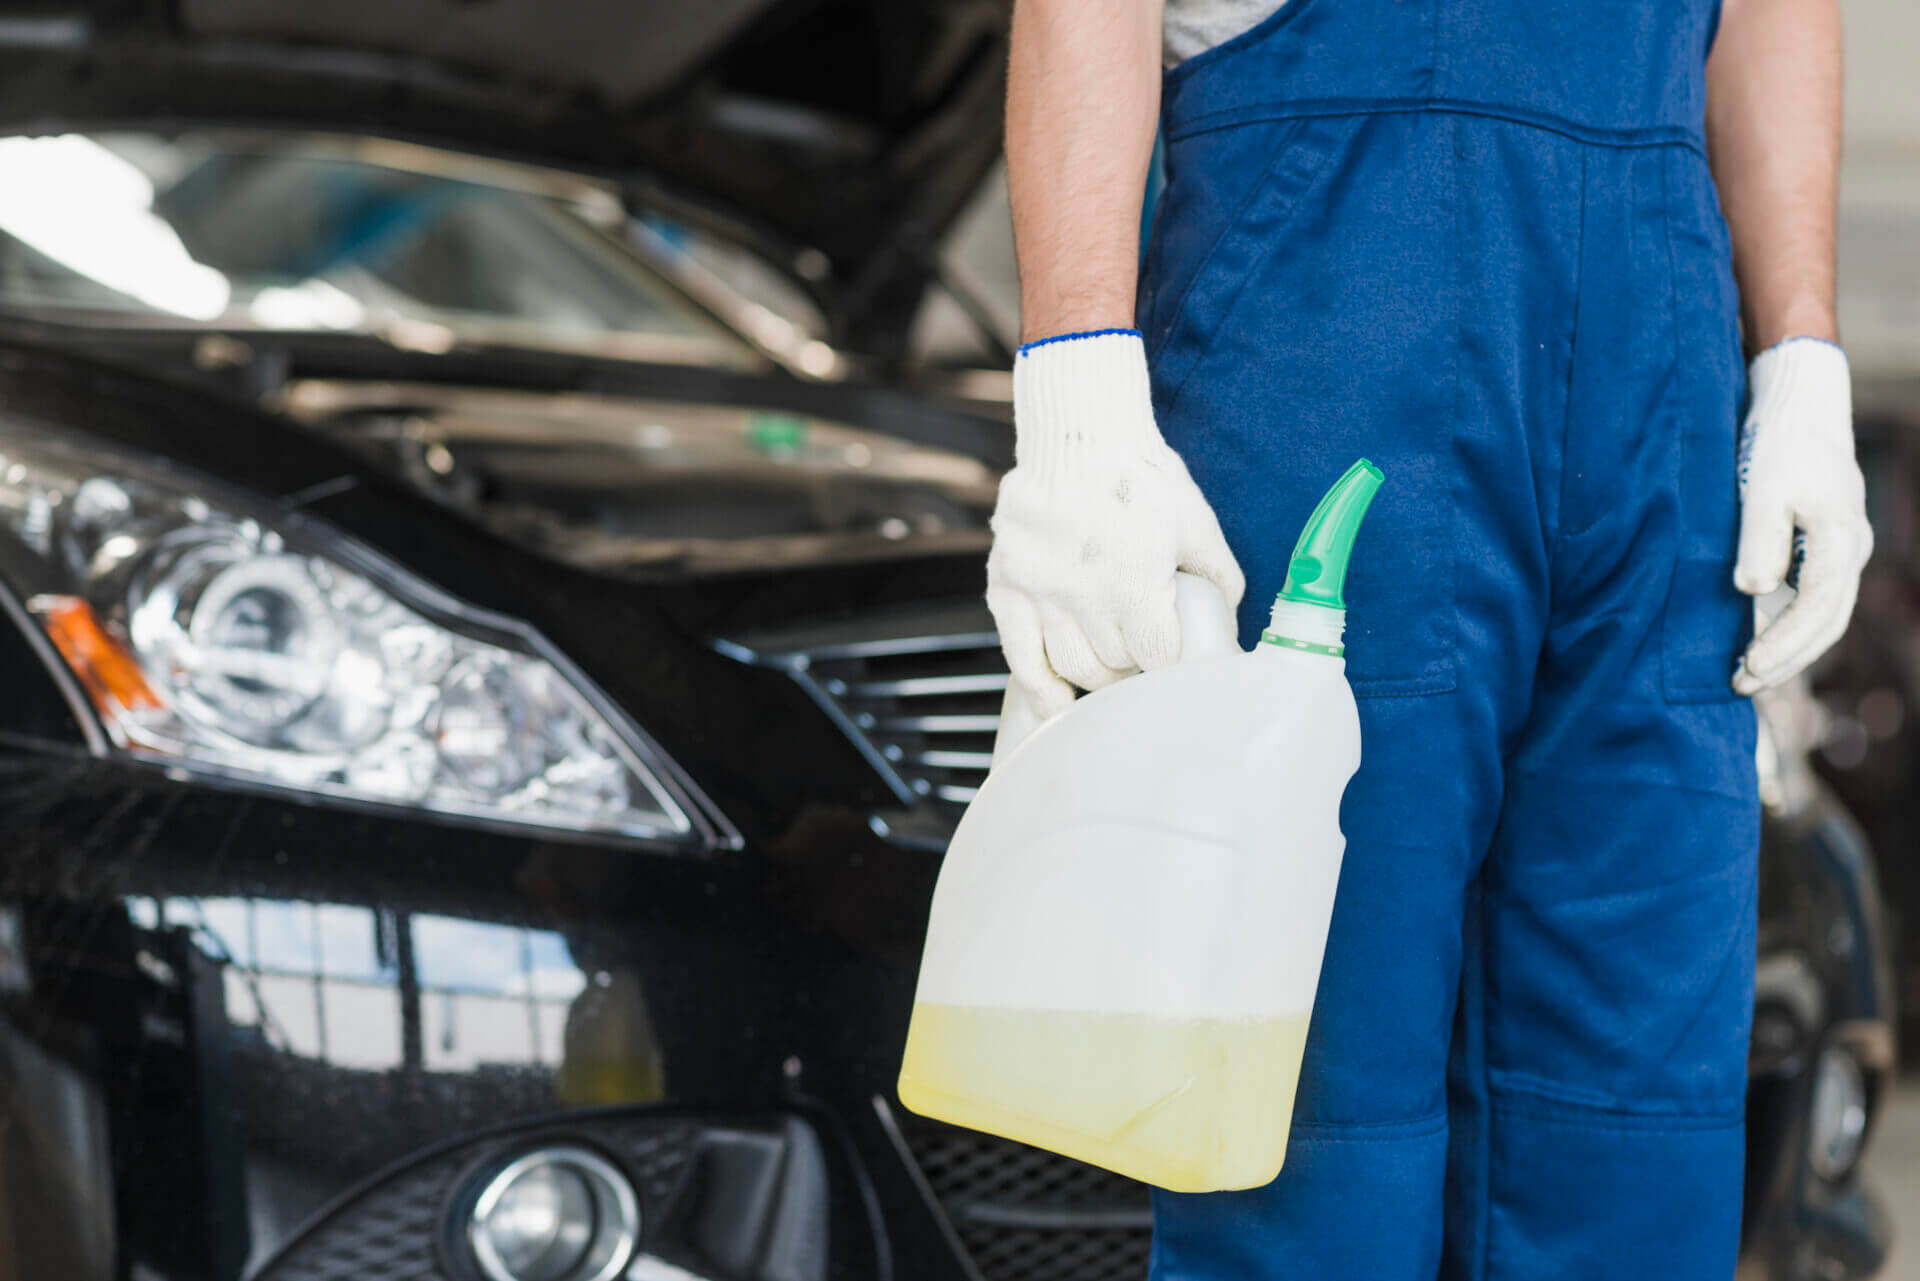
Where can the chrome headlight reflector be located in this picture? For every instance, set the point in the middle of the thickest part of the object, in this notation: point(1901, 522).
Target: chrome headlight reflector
point(558, 1213)
point(222, 641)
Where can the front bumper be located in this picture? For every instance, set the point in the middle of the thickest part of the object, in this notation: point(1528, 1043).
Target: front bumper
point(718, 1196)
point(245, 1037)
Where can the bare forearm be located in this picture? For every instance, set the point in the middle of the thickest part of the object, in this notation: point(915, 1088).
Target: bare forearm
point(1083, 99)
point(1773, 128)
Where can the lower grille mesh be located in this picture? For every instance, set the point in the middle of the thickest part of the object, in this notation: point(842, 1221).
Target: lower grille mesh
point(390, 1230)
point(1028, 1215)
point(1017, 1254)
point(388, 1237)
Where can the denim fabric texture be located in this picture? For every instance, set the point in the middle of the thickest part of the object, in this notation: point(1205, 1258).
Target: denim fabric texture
point(1477, 242)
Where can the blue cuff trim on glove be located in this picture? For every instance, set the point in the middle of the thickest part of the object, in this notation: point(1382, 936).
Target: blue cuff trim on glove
point(1026, 347)
point(1824, 342)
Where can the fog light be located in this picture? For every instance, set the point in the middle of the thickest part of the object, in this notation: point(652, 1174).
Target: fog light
point(555, 1214)
point(1838, 1125)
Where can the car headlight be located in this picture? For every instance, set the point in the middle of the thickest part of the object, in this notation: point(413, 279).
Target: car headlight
point(1837, 1124)
point(222, 641)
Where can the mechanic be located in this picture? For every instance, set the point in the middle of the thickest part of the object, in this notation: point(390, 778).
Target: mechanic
point(1480, 242)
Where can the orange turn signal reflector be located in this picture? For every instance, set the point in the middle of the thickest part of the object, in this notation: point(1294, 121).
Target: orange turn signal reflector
point(108, 672)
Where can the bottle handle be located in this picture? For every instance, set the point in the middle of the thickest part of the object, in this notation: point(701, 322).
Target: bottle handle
point(1207, 626)
point(1019, 717)
point(1206, 631)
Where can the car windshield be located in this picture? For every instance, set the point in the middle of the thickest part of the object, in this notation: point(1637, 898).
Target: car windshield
point(420, 247)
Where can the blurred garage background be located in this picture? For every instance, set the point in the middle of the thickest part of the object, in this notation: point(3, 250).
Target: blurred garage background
point(1868, 690)
point(486, 339)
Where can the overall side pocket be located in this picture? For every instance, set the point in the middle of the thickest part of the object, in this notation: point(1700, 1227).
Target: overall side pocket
point(1322, 324)
point(1707, 622)
point(1231, 193)
point(1216, 182)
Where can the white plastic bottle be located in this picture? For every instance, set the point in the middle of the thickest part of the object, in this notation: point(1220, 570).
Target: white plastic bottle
point(1127, 930)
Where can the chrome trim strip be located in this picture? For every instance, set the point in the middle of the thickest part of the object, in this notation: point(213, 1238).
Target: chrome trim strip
point(918, 686)
point(937, 723)
point(906, 635)
point(909, 645)
point(943, 759)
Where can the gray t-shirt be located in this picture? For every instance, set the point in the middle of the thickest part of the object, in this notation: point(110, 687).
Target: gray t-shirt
point(1194, 26)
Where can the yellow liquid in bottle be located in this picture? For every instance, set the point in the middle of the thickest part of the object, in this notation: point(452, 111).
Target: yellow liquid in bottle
point(1188, 1104)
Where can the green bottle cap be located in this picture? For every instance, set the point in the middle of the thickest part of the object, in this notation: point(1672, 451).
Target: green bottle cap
point(1317, 574)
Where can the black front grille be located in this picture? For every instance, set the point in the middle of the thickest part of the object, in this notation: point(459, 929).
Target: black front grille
point(1027, 1215)
point(917, 689)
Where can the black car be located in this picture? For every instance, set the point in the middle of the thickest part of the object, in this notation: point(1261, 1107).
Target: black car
point(485, 698)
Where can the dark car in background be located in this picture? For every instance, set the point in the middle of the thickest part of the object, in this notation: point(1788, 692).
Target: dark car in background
point(486, 690)
point(1867, 723)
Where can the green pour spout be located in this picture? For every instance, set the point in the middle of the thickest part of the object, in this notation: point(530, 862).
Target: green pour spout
point(1317, 574)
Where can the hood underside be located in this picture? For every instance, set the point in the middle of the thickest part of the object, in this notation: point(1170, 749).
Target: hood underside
point(625, 486)
point(843, 136)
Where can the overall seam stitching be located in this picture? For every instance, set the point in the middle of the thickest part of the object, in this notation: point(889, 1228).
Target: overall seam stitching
point(1668, 686)
point(1446, 681)
point(1573, 348)
point(1490, 881)
point(1496, 1179)
point(1366, 1131)
point(1312, 108)
point(1567, 531)
point(1672, 689)
point(1587, 779)
point(1450, 642)
point(1433, 49)
point(1538, 1105)
point(1525, 1094)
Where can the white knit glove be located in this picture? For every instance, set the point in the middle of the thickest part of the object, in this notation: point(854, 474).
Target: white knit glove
point(1093, 521)
point(1797, 470)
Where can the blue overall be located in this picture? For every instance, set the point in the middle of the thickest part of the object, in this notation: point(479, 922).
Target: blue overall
point(1477, 242)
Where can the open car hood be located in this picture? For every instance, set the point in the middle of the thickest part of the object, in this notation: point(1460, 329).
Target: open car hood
point(841, 136)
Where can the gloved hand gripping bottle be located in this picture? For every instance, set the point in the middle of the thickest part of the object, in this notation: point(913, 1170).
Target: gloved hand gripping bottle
point(1127, 930)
